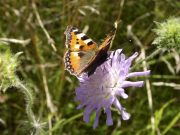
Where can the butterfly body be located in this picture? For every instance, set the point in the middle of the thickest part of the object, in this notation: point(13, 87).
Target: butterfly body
point(83, 54)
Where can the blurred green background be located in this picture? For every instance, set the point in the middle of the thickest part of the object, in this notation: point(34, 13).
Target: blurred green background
point(34, 27)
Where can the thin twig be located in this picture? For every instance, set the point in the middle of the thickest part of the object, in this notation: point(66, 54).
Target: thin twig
point(50, 124)
point(116, 23)
point(173, 85)
point(149, 93)
point(147, 58)
point(131, 34)
point(141, 17)
point(46, 65)
point(121, 9)
point(42, 70)
point(15, 41)
point(165, 77)
point(50, 105)
point(50, 40)
point(148, 88)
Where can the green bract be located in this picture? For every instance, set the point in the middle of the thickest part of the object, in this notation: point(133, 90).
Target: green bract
point(168, 34)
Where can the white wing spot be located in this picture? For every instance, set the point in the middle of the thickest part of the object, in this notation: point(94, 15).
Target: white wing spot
point(75, 30)
point(87, 41)
point(80, 35)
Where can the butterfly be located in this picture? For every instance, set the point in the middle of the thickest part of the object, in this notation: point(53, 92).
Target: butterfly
point(83, 54)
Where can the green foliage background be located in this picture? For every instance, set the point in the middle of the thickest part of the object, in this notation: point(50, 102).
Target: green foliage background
point(42, 68)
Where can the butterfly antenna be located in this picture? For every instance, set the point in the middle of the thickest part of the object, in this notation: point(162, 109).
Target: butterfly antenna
point(113, 33)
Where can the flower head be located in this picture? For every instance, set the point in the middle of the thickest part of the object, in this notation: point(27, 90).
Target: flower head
point(102, 89)
point(8, 64)
point(168, 34)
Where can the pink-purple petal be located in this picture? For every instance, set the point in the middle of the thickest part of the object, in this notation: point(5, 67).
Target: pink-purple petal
point(117, 104)
point(120, 92)
point(124, 95)
point(87, 112)
point(109, 120)
point(125, 115)
point(133, 74)
point(132, 84)
point(96, 122)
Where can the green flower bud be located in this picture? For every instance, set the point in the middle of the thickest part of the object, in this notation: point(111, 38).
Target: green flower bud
point(8, 64)
point(168, 34)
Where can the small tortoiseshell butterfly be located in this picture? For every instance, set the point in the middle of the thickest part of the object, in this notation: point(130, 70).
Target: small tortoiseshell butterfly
point(83, 54)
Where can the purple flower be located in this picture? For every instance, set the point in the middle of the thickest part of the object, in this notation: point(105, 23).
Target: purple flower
point(101, 90)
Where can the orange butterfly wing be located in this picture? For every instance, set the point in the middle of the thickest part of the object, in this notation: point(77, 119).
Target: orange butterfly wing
point(101, 54)
point(82, 51)
point(78, 41)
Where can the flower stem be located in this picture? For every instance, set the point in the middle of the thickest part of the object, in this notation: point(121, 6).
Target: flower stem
point(59, 125)
point(29, 103)
point(149, 93)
